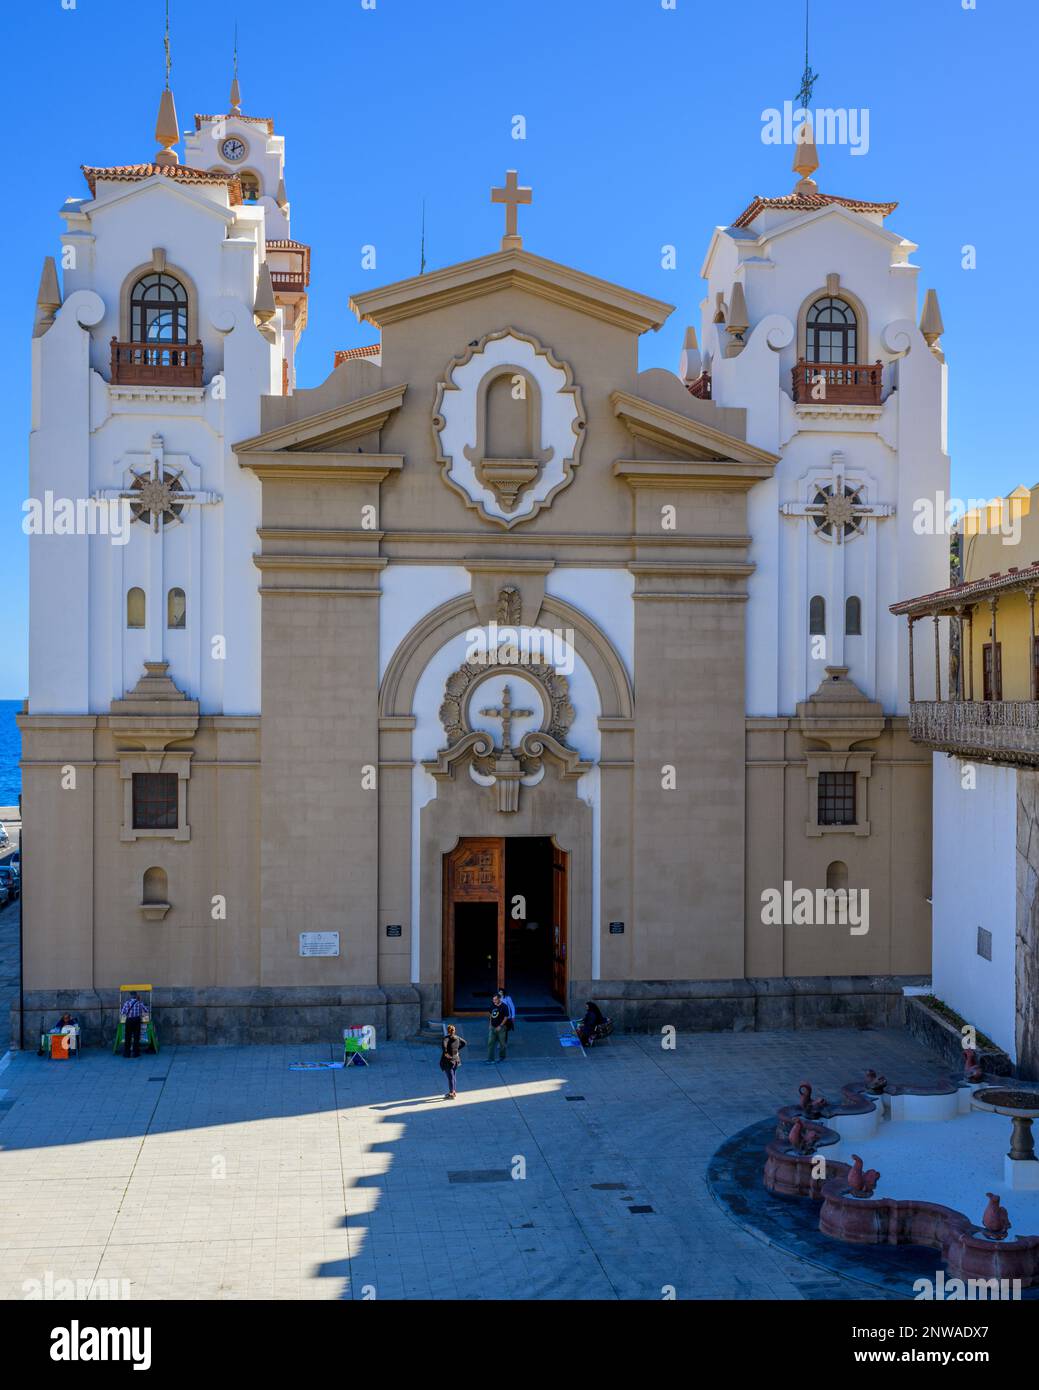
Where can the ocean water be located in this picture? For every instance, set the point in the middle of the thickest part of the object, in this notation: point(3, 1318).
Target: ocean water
point(10, 752)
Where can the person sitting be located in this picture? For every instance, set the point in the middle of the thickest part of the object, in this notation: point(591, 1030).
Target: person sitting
point(65, 1021)
point(593, 1021)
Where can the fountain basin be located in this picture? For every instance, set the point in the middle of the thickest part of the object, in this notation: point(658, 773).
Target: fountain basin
point(1020, 1167)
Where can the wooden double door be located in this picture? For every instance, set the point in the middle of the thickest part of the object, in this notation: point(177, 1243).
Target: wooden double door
point(504, 923)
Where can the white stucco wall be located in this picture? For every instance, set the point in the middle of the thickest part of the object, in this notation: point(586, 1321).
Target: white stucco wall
point(974, 884)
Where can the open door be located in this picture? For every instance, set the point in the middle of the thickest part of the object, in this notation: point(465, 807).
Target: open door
point(474, 925)
point(559, 924)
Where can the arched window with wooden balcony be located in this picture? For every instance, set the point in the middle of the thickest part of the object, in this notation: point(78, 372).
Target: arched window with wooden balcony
point(159, 324)
point(832, 345)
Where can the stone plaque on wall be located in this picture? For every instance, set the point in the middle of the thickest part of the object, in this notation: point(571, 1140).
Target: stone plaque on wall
point(319, 943)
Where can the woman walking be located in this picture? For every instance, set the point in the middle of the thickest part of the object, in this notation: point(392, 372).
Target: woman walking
point(451, 1059)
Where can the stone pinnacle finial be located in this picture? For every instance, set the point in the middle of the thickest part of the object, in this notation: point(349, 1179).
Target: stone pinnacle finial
point(48, 298)
point(690, 364)
point(806, 157)
point(737, 323)
point(281, 197)
point(166, 130)
point(931, 325)
point(264, 307)
point(236, 97)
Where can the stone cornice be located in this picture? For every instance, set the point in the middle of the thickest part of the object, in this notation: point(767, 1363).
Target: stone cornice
point(507, 270)
point(704, 475)
point(506, 563)
point(311, 467)
point(320, 562)
point(681, 569)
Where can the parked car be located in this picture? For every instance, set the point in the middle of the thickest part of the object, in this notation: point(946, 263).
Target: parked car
point(11, 879)
point(5, 839)
point(5, 896)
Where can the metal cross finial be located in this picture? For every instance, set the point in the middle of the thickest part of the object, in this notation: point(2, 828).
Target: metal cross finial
point(808, 77)
point(506, 714)
point(166, 44)
point(511, 195)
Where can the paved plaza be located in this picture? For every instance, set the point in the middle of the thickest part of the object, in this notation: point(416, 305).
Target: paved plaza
point(220, 1173)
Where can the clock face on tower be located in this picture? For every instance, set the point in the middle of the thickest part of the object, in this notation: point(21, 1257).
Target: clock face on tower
point(233, 149)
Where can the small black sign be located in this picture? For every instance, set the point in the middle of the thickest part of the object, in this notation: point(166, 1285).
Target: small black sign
point(393, 930)
point(616, 928)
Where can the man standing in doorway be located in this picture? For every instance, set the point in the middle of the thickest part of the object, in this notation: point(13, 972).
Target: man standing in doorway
point(132, 1013)
point(497, 1033)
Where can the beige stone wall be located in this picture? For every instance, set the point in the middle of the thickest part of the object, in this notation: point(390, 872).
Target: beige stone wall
point(893, 861)
point(83, 884)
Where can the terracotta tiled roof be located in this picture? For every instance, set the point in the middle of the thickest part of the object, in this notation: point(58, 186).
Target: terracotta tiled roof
point(345, 354)
point(184, 173)
point(974, 588)
point(808, 202)
point(236, 116)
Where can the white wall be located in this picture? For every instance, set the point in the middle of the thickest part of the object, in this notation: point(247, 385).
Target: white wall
point(974, 884)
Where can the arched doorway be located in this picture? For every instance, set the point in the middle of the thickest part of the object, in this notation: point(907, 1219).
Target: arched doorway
point(505, 920)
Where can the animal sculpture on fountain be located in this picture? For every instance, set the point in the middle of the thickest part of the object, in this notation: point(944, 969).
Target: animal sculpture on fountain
point(862, 1183)
point(972, 1071)
point(995, 1218)
point(803, 1138)
point(812, 1107)
point(874, 1083)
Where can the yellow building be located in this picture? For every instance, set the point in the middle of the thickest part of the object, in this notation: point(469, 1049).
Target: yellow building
point(1003, 596)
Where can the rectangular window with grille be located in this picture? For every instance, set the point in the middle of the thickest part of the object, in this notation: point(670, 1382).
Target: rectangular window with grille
point(155, 800)
point(836, 798)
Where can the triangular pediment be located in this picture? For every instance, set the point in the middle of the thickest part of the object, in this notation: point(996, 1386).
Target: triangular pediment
point(328, 430)
point(686, 437)
point(512, 269)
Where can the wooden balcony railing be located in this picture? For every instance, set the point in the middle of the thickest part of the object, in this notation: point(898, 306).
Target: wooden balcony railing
point(156, 364)
point(288, 281)
point(998, 730)
point(837, 383)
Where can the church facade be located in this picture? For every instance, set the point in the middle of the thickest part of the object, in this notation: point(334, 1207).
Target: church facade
point(491, 658)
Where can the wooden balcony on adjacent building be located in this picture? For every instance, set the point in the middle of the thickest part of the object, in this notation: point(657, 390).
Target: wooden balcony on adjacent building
point(156, 364)
point(1002, 731)
point(992, 653)
point(837, 383)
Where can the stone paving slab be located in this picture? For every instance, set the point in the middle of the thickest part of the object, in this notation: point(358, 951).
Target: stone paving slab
point(220, 1174)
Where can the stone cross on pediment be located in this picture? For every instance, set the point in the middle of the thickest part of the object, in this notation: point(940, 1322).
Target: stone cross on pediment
point(512, 195)
point(506, 714)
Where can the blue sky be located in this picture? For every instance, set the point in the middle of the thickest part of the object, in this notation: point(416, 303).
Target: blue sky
point(643, 127)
